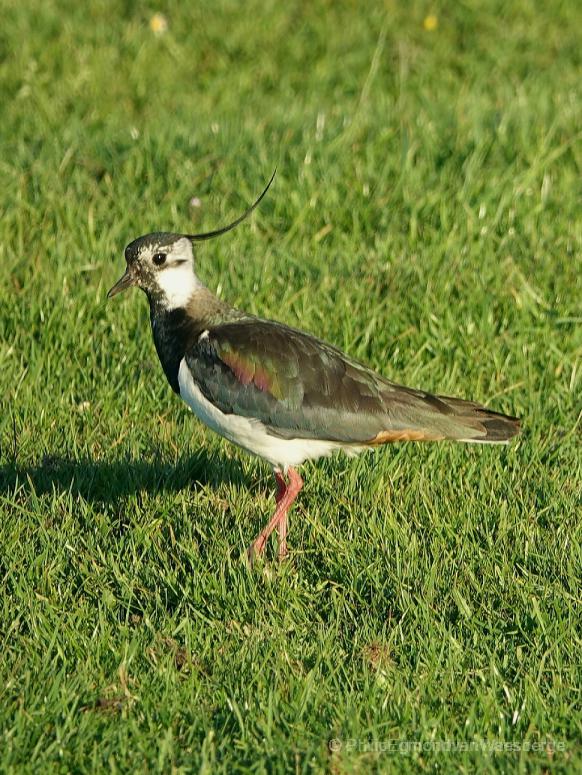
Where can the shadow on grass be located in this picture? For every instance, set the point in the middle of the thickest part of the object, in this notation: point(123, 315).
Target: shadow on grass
point(99, 481)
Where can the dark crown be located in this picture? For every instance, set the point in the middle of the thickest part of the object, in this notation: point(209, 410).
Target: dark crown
point(157, 239)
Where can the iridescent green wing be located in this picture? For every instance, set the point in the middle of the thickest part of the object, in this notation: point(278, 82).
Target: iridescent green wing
point(292, 382)
point(301, 387)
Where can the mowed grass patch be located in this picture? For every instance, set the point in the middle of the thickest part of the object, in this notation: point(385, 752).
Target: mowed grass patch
point(426, 218)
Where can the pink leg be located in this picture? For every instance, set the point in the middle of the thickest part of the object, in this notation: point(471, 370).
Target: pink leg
point(281, 486)
point(282, 530)
point(286, 494)
point(282, 524)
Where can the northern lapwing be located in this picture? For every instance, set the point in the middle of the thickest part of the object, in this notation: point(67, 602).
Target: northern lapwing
point(276, 391)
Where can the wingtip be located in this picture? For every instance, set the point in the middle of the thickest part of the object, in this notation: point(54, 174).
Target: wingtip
point(499, 429)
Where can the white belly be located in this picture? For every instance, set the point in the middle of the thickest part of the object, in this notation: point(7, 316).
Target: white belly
point(250, 433)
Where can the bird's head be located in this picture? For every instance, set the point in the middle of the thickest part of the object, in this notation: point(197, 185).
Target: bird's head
point(162, 263)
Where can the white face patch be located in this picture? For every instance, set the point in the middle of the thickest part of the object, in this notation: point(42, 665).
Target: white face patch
point(176, 278)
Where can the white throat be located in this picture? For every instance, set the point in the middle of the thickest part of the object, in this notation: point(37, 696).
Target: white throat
point(178, 284)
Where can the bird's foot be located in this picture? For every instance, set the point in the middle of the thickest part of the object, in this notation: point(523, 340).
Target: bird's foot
point(256, 549)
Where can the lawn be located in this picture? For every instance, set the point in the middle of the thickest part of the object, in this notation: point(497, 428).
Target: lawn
point(425, 217)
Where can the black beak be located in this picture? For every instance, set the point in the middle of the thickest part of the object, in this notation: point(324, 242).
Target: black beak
point(122, 284)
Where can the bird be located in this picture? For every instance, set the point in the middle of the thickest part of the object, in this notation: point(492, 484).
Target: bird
point(277, 392)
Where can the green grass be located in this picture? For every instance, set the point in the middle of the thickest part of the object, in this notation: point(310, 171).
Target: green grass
point(425, 217)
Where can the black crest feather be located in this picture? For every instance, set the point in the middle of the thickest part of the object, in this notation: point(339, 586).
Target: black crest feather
point(240, 219)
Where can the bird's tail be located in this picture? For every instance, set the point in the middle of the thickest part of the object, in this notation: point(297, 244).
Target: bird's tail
point(471, 422)
point(426, 417)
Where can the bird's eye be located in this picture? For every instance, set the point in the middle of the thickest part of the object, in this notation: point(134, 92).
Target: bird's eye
point(159, 258)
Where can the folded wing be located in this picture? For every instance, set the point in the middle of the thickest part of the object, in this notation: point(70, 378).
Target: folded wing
point(301, 387)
